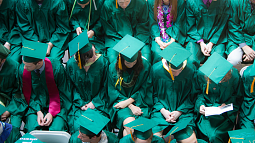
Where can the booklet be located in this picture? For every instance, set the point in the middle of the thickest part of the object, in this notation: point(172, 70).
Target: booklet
point(209, 111)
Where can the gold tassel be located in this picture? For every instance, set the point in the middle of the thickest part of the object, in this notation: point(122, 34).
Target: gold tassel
point(79, 58)
point(116, 3)
point(119, 62)
point(170, 71)
point(252, 85)
point(229, 140)
point(119, 81)
point(169, 139)
point(207, 86)
point(131, 135)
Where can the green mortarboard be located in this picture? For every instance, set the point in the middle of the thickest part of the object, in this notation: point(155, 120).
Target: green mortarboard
point(83, 1)
point(242, 136)
point(129, 46)
point(91, 122)
point(2, 109)
point(180, 125)
point(80, 43)
point(175, 54)
point(28, 138)
point(33, 51)
point(216, 67)
point(142, 127)
point(4, 52)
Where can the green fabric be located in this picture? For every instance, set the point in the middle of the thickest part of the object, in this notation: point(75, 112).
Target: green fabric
point(214, 128)
point(80, 17)
point(34, 50)
point(241, 25)
point(79, 43)
point(247, 113)
point(83, 1)
point(243, 135)
point(39, 100)
point(117, 23)
point(45, 23)
point(87, 86)
point(27, 138)
point(14, 135)
point(140, 92)
point(4, 52)
point(30, 59)
point(171, 95)
point(112, 138)
point(128, 139)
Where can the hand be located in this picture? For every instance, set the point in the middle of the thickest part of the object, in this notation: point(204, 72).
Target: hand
point(90, 33)
point(160, 43)
point(135, 110)
point(165, 113)
point(209, 48)
point(89, 105)
point(83, 107)
point(78, 30)
point(7, 45)
point(5, 115)
point(249, 53)
point(202, 109)
point(50, 45)
point(223, 104)
point(171, 41)
point(204, 48)
point(47, 119)
point(124, 104)
point(40, 118)
point(174, 116)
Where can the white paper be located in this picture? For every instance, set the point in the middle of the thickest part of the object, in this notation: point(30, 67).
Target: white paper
point(209, 111)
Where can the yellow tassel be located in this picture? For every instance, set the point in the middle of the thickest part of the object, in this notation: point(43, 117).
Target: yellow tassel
point(116, 3)
point(207, 86)
point(119, 62)
point(170, 71)
point(131, 135)
point(169, 139)
point(252, 85)
point(119, 81)
point(229, 140)
point(79, 58)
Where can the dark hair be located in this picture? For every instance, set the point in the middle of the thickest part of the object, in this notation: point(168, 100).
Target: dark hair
point(91, 136)
point(137, 67)
point(37, 62)
point(173, 10)
point(84, 57)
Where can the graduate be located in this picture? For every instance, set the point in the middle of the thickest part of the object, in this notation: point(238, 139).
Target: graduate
point(220, 84)
point(85, 16)
point(173, 92)
point(247, 115)
point(122, 17)
point(206, 28)
point(44, 21)
point(5, 128)
point(167, 24)
point(91, 130)
point(88, 74)
point(129, 95)
point(45, 90)
point(240, 45)
point(142, 132)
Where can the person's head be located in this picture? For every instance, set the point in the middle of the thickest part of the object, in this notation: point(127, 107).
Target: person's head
point(87, 57)
point(159, 3)
point(138, 140)
point(176, 70)
point(4, 52)
point(88, 138)
point(253, 1)
point(123, 3)
point(30, 66)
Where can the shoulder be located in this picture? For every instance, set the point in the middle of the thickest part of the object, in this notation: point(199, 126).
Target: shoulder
point(108, 4)
point(146, 64)
point(112, 138)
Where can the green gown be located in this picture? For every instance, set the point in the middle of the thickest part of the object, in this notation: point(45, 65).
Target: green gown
point(118, 22)
point(209, 24)
point(140, 92)
point(39, 100)
point(247, 113)
point(176, 31)
point(87, 87)
point(172, 95)
point(111, 137)
point(45, 23)
point(9, 90)
point(128, 139)
point(241, 25)
point(80, 18)
point(215, 128)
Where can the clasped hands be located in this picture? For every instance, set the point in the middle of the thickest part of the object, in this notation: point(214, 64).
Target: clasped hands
point(163, 45)
point(89, 105)
point(170, 116)
point(128, 103)
point(44, 121)
point(206, 48)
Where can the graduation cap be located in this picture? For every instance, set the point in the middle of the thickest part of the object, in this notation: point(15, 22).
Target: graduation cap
point(242, 136)
point(215, 68)
point(81, 45)
point(2, 109)
point(176, 55)
point(33, 51)
point(4, 52)
point(83, 1)
point(180, 125)
point(91, 122)
point(28, 138)
point(128, 46)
